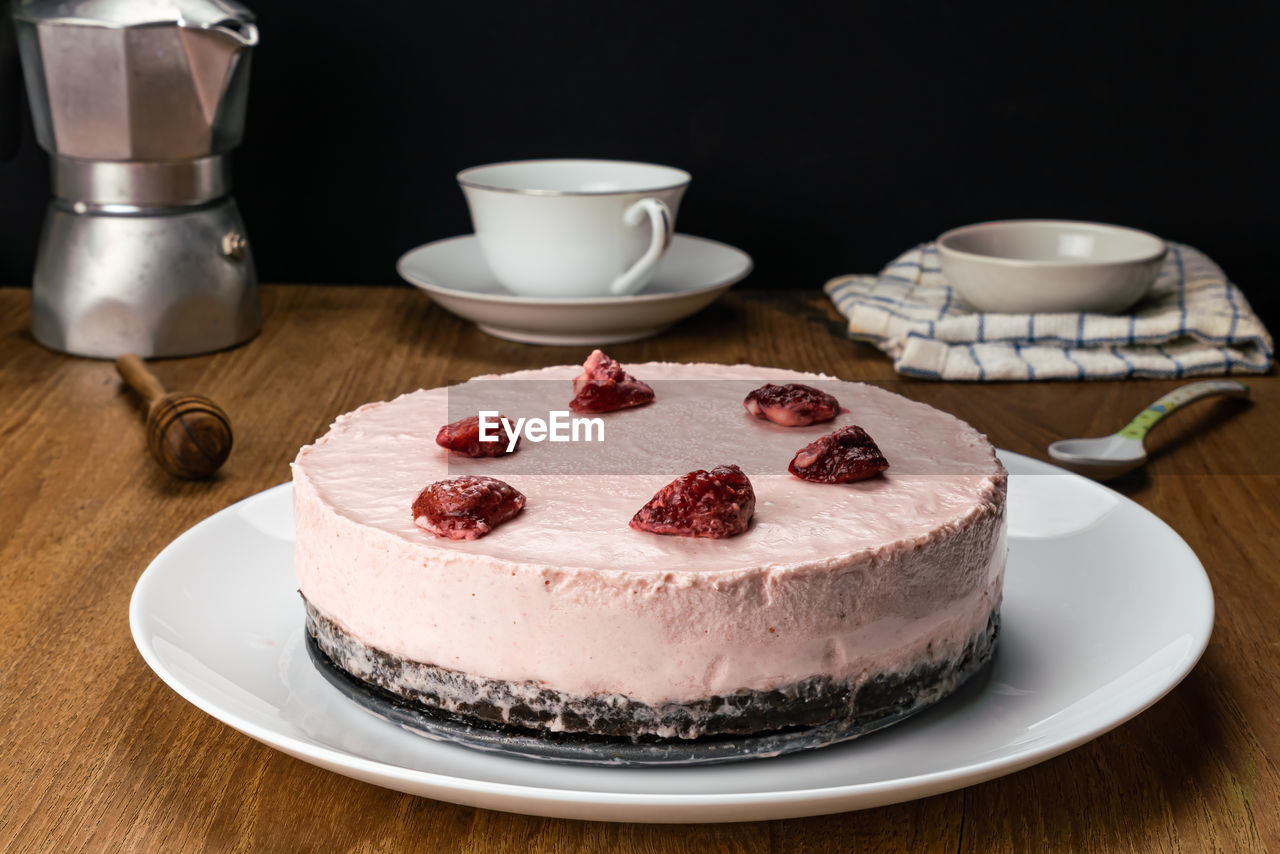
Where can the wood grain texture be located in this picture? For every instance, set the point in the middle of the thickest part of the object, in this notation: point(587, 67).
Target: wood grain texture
point(98, 754)
point(188, 435)
point(135, 374)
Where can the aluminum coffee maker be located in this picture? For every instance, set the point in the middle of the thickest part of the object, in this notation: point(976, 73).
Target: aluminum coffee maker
point(138, 105)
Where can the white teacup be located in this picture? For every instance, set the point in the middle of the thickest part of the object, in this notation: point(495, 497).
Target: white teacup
point(573, 228)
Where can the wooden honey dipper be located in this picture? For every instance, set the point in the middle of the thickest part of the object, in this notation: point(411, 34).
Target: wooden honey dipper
point(188, 434)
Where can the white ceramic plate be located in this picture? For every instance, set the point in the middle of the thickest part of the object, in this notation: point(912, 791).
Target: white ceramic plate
point(1105, 610)
point(693, 273)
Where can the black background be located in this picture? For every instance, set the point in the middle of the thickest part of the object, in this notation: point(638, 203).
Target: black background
point(822, 138)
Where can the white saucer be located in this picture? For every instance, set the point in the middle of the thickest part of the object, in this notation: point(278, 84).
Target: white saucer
point(693, 273)
point(1105, 610)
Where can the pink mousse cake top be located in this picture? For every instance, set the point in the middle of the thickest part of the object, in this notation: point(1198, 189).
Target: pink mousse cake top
point(581, 495)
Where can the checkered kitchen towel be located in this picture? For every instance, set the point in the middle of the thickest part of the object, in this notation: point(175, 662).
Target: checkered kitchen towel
point(1193, 323)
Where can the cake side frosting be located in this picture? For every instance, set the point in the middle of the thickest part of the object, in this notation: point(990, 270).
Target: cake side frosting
point(830, 580)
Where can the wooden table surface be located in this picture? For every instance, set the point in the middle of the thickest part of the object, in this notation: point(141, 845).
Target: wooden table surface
point(98, 754)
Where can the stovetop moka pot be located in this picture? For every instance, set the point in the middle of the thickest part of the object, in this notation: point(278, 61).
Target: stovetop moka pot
point(138, 103)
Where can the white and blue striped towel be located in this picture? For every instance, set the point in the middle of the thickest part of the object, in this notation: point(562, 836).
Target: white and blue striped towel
point(1193, 323)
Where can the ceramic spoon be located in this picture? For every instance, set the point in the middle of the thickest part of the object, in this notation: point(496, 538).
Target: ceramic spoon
point(1111, 456)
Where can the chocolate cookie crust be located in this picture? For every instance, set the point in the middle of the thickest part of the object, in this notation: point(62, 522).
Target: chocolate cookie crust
point(531, 708)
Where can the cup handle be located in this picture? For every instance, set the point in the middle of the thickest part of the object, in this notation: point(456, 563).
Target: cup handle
point(663, 230)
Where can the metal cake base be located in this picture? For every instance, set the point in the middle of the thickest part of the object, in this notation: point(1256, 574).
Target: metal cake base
point(580, 749)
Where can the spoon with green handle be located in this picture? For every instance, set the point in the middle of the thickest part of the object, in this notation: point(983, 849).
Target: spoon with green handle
point(1111, 456)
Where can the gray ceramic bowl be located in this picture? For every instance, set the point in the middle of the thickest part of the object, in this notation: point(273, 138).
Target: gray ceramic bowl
point(1040, 265)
